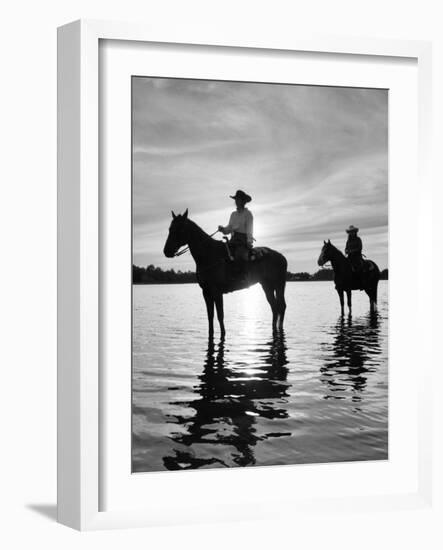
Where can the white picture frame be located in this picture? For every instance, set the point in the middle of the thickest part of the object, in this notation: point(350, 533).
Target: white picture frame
point(79, 253)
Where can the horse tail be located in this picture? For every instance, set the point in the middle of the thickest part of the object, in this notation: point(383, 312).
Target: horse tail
point(377, 271)
point(280, 291)
point(284, 265)
point(376, 279)
point(375, 267)
point(284, 271)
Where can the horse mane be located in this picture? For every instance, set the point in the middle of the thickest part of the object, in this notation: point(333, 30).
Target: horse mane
point(201, 231)
point(336, 249)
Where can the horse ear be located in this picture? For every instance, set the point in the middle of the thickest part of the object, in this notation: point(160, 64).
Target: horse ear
point(329, 241)
point(185, 215)
point(324, 242)
point(173, 215)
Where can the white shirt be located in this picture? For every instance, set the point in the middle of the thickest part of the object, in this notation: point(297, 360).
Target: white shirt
point(241, 222)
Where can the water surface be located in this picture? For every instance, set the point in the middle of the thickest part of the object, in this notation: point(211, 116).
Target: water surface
point(318, 392)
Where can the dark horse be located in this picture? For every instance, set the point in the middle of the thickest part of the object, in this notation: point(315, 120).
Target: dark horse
point(345, 279)
point(214, 270)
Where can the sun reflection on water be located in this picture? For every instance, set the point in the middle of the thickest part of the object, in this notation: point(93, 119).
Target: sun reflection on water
point(251, 304)
point(314, 392)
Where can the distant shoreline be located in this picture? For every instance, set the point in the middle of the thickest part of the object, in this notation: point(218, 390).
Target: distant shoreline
point(152, 275)
point(162, 283)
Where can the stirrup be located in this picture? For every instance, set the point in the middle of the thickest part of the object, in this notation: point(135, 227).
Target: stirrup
point(228, 250)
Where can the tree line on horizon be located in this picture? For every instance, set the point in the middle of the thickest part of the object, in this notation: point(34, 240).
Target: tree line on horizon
point(156, 275)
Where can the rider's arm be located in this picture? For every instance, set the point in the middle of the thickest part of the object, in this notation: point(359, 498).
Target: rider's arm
point(227, 228)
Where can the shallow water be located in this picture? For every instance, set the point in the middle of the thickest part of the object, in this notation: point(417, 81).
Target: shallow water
point(318, 392)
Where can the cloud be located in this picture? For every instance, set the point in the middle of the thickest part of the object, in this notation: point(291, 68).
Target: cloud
point(315, 159)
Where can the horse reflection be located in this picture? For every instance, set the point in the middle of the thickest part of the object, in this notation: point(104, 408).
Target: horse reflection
point(345, 371)
point(231, 397)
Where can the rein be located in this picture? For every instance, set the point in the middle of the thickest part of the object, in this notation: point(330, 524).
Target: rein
point(186, 249)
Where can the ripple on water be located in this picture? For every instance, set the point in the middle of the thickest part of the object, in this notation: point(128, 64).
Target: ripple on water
point(318, 392)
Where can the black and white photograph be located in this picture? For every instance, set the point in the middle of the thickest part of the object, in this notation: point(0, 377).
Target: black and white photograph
point(259, 274)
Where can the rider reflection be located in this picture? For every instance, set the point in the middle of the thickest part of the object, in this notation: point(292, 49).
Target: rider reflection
point(345, 371)
point(223, 429)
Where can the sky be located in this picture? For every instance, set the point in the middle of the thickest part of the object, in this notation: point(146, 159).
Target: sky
point(314, 159)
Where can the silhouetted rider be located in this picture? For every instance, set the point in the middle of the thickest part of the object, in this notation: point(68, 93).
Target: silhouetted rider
point(354, 248)
point(240, 226)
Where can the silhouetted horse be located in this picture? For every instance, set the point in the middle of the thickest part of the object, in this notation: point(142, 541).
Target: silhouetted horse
point(214, 270)
point(346, 280)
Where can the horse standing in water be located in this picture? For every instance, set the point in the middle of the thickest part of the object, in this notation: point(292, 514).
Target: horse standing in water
point(214, 267)
point(345, 279)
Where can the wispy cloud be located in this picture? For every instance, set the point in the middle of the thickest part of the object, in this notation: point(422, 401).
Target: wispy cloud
point(314, 159)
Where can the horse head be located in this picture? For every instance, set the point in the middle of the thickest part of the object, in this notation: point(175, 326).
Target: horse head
point(325, 254)
point(178, 234)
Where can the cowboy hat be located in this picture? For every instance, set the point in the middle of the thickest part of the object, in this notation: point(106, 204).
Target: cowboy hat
point(352, 229)
point(239, 194)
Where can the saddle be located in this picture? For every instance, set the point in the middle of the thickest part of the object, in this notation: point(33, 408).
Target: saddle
point(258, 252)
point(359, 277)
point(255, 253)
point(237, 272)
point(367, 265)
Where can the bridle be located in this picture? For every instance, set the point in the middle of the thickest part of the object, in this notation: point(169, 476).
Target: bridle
point(326, 261)
point(186, 249)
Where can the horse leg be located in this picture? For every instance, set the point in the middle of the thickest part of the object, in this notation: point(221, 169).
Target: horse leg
point(342, 301)
point(349, 300)
point(269, 291)
point(373, 298)
point(209, 299)
point(372, 294)
point(375, 295)
point(220, 313)
point(281, 303)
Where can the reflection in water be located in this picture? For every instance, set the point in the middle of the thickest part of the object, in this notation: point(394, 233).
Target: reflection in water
point(319, 393)
point(350, 357)
point(231, 395)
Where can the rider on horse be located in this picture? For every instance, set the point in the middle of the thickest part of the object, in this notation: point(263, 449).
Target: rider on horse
point(353, 249)
point(240, 226)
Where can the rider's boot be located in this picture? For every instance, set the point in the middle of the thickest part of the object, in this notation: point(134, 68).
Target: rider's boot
point(239, 270)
